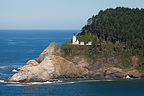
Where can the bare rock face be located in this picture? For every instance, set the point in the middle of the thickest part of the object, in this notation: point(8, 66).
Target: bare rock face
point(104, 63)
point(114, 72)
point(111, 72)
point(30, 72)
point(134, 73)
point(51, 50)
point(81, 61)
point(66, 68)
point(32, 63)
point(50, 68)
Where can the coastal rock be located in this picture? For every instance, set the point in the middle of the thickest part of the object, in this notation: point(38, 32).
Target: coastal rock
point(111, 72)
point(66, 68)
point(51, 67)
point(51, 50)
point(32, 63)
point(29, 65)
point(114, 72)
point(104, 63)
point(81, 61)
point(134, 73)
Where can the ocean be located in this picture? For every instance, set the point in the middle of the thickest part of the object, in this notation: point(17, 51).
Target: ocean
point(19, 46)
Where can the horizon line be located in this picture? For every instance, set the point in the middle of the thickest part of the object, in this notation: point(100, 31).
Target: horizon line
point(40, 29)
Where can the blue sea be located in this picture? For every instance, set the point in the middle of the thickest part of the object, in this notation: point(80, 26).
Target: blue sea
point(19, 46)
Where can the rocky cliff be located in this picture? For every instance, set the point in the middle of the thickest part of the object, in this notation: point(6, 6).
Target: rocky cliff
point(48, 66)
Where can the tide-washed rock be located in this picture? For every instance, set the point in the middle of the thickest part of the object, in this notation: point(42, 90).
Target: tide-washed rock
point(111, 72)
point(134, 73)
point(51, 67)
point(51, 50)
point(114, 72)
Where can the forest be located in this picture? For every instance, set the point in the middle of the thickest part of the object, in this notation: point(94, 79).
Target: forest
point(114, 32)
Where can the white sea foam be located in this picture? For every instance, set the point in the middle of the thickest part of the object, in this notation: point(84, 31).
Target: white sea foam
point(16, 85)
point(22, 84)
point(37, 83)
point(65, 83)
point(99, 80)
point(47, 82)
point(55, 82)
point(1, 81)
point(2, 67)
point(14, 70)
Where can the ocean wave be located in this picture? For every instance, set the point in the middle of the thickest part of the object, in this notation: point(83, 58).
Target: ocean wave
point(11, 40)
point(3, 67)
point(66, 83)
point(11, 43)
point(16, 85)
point(11, 66)
point(3, 74)
point(36, 50)
point(98, 80)
point(37, 83)
point(55, 82)
point(84, 81)
point(24, 84)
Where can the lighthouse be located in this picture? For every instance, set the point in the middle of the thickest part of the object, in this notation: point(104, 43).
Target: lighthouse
point(75, 41)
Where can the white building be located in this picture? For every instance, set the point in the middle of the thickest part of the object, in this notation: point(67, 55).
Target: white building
point(82, 43)
point(89, 43)
point(75, 41)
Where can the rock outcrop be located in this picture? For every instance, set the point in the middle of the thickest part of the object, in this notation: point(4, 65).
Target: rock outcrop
point(81, 61)
point(51, 50)
point(111, 72)
point(50, 67)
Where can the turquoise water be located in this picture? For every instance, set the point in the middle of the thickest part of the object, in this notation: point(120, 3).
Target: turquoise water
point(18, 46)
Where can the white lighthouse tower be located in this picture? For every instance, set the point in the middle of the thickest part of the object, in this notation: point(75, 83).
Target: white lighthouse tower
point(75, 41)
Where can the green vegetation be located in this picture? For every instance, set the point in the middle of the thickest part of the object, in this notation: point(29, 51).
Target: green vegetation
point(114, 32)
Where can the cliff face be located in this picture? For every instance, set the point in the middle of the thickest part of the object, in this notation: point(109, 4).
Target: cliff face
point(50, 66)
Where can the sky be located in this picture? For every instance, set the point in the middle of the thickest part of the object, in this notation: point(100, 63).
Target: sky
point(55, 14)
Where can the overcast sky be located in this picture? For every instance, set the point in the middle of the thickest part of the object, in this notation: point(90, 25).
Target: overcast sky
point(55, 14)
